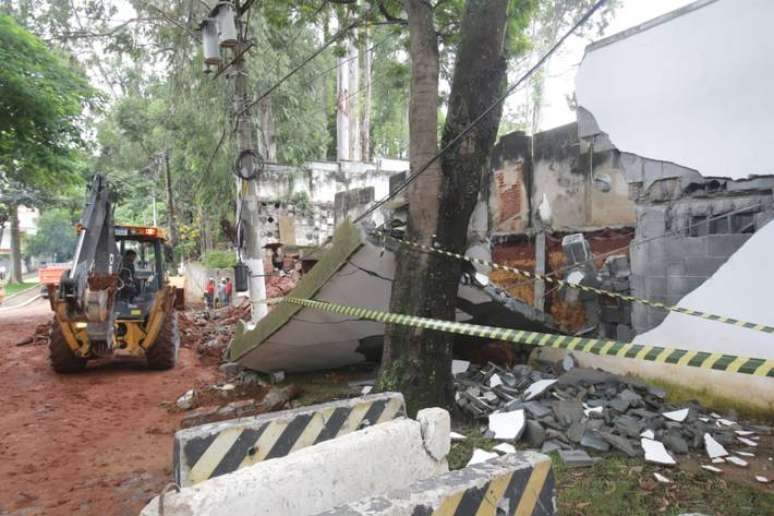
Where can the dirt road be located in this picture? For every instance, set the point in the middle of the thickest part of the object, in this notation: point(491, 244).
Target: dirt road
point(99, 442)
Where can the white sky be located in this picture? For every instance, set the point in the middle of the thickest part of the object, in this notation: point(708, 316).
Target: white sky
point(560, 73)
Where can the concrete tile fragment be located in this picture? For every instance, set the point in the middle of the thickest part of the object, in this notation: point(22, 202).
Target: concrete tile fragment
point(648, 434)
point(366, 389)
point(495, 380)
point(712, 468)
point(656, 452)
point(576, 458)
point(718, 460)
point(505, 448)
point(480, 456)
point(748, 442)
point(745, 454)
point(736, 461)
point(761, 479)
point(725, 422)
point(661, 478)
point(459, 366)
point(676, 415)
point(744, 433)
point(456, 437)
point(537, 388)
point(507, 426)
point(714, 449)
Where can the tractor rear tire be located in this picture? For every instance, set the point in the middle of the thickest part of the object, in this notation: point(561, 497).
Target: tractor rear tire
point(163, 353)
point(63, 360)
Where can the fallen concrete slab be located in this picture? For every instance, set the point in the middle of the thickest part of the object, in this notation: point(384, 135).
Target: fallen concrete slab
point(520, 483)
point(356, 270)
point(214, 449)
point(379, 458)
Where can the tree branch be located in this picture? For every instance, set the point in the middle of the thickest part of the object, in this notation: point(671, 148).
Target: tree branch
point(389, 17)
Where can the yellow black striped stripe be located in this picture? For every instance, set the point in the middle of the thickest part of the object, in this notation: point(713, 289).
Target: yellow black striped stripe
point(237, 446)
point(628, 298)
point(660, 354)
point(524, 492)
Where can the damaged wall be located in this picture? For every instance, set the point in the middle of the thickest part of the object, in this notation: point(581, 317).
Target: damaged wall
point(584, 187)
point(301, 206)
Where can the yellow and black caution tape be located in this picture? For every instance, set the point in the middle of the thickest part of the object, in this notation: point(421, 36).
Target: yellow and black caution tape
point(664, 355)
point(528, 274)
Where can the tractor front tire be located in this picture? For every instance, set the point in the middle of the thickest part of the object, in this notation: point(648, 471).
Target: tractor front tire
point(63, 360)
point(163, 353)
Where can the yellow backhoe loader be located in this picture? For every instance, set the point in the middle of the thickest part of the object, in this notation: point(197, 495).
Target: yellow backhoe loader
point(116, 295)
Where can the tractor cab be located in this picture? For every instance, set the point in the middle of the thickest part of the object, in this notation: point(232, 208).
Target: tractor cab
point(141, 271)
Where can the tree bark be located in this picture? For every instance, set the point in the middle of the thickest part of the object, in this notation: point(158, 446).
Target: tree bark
point(415, 361)
point(418, 362)
point(170, 202)
point(16, 261)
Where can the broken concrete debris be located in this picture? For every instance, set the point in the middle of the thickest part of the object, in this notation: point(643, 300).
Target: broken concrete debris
point(507, 426)
point(576, 458)
point(712, 468)
point(187, 401)
point(655, 452)
point(661, 478)
point(505, 448)
point(480, 456)
point(714, 448)
point(593, 410)
point(736, 461)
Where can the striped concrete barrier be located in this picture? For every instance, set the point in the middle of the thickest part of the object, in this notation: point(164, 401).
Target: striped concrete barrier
point(516, 484)
point(214, 449)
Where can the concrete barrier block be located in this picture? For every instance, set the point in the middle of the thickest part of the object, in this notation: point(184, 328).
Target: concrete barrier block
point(520, 483)
point(377, 459)
point(214, 449)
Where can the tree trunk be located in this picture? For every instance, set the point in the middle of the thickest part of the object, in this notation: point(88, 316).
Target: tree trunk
point(16, 261)
point(418, 362)
point(170, 202)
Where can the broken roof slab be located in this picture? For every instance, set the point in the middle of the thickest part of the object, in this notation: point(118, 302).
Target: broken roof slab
point(357, 271)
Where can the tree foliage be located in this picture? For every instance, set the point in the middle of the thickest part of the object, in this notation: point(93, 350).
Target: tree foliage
point(56, 237)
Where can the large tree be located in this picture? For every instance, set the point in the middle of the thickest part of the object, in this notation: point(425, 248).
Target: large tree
point(417, 362)
point(42, 100)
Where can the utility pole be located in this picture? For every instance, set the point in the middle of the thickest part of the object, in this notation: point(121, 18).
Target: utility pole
point(248, 189)
point(170, 200)
point(223, 29)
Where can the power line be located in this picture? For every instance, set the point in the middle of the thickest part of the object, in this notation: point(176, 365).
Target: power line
point(411, 178)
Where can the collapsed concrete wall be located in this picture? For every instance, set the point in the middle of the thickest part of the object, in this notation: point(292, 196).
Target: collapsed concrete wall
point(687, 225)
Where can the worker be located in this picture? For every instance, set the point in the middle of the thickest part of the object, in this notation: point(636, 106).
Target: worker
point(229, 291)
point(220, 294)
point(128, 286)
point(209, 293)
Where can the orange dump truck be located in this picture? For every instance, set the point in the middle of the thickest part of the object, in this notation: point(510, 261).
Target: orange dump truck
point(50, 275)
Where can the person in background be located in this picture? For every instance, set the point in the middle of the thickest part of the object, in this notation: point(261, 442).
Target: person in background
point(229, 291)
point(209, 293)
point(222, 293)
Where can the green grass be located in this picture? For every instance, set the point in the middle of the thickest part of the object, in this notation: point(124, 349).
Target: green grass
point(14, 288)
point(617, 485)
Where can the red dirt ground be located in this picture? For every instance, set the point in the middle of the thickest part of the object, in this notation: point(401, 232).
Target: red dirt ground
point(99, 442)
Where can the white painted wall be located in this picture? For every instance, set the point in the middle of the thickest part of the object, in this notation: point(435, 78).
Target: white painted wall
point(695, 90)
point(741, 288)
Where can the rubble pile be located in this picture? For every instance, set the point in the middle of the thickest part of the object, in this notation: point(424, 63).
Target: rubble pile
point(278, 286)
point(583, 410)
point(209, 332)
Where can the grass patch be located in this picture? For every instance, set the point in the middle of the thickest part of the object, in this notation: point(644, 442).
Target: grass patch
point(680, 394)
point(15, 288)
point(618, 485)
point(462, 451)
